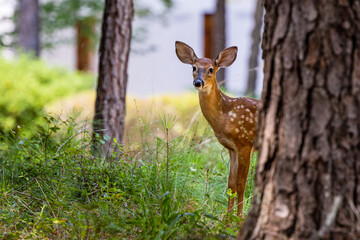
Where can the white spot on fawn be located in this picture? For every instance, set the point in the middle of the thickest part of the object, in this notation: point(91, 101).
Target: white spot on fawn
point(247, 118)
point(237, 130)
point(232, 119)
point(230, 113)
point(248, 110)
point(242, 116)
point(242, 106)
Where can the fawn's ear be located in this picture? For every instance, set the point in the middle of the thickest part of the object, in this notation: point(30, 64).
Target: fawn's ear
point(226, 57)
point(185, 53)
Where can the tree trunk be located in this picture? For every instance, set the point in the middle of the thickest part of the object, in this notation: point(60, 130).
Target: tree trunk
point(307, 182)
point(29, 26)
point(112, 80)
point(256, 38)
point(85, 44)
point(219, 37)
point(209, 36)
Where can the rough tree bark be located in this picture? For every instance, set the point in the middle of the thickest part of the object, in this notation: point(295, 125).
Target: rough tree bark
point(307, 182)
point(29, 26)
point(113, 76)
point(219, 37)
point(255, 45)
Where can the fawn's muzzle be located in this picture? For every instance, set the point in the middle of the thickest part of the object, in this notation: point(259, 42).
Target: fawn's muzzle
point(198, 83)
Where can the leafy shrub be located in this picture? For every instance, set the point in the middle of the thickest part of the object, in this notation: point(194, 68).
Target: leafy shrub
point(27, 85)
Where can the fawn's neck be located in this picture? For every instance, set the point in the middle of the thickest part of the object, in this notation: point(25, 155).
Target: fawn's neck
point(212, 105)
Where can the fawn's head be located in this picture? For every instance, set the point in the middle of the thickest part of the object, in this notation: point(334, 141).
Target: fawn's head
point(204, 69)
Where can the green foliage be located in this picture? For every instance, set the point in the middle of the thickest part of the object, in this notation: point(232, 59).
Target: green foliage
point(61, 14)
point(67, 13)
point(56, 15)
point(26, 85)
point(52, 188)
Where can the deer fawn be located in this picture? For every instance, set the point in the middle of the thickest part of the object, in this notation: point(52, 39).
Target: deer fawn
point(232, 119)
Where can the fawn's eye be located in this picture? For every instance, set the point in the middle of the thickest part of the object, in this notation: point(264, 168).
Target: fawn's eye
point(194, 68)
point(211, 70)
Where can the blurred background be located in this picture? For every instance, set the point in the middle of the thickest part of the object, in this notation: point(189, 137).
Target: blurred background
point(153, 66)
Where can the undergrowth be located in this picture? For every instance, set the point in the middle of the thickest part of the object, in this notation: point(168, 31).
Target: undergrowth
point(171, 188)
point(28, 84)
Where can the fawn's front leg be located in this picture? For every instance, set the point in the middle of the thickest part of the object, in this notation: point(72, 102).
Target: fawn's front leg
point(232, 182)
point(243, 164)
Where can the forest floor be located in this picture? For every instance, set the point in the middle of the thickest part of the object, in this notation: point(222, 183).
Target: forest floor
point(170, 181)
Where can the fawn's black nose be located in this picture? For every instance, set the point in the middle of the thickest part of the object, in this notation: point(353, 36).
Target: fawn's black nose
point(198, 83)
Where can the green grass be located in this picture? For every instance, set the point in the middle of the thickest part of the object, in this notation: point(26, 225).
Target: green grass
point(168, 188)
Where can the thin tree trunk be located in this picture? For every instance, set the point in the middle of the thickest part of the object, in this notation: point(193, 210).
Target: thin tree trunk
point(209, 36)
point(307, 182)
point(219, 37)
point(113, 76)
point(29, 26)
point(255, 45)
point(85, 49)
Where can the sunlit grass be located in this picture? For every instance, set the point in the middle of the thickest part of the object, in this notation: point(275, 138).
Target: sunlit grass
point(140, 112)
